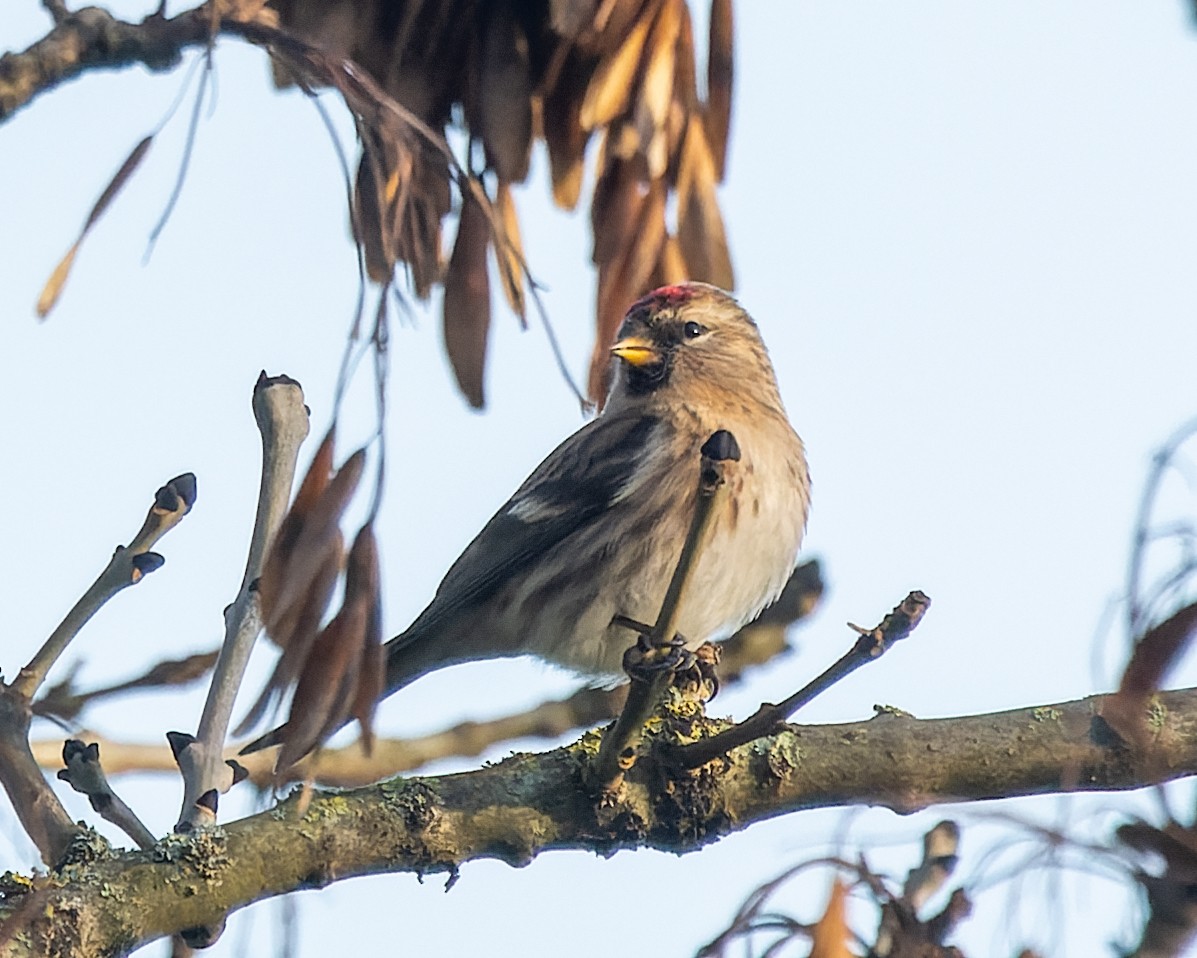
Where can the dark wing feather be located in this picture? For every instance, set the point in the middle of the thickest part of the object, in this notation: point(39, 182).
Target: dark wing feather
point(569, 490)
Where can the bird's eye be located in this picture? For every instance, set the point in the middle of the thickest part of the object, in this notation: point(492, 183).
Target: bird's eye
point(693, 330)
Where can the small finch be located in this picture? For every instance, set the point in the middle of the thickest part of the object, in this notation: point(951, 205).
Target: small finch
point(596, 530)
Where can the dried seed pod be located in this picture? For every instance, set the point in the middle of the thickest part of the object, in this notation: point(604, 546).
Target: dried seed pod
point(505, 95)
point(509, 250)
point(610, 89)
point(700, 224)
point(720, 77)
point(563, 132)
point(467, 301)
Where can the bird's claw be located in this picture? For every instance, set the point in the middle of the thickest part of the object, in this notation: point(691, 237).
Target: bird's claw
point(701, 677)
point(643, 662)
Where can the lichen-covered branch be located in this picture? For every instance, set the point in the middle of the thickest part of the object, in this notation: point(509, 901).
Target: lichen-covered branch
point(529, 804)
point(91, 39)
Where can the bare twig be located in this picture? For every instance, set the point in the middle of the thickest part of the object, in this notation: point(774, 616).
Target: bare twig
point(84, 774)
point(62, 703)
point(128, 565)
point(871, 645)
point(42, 816)
point(282, 419)
point(618, 751)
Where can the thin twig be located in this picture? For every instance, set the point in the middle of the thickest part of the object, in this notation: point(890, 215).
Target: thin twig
point(128, 566)
point(84, 774)
point(618, 751)
point(871, 645)
point(282, 419)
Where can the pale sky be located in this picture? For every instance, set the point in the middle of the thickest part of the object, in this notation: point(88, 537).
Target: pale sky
point(968, 232)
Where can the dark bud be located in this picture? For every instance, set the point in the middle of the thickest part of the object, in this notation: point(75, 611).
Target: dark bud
point(209, 800)
point(166, 499)
point(721, 447)
point(146, 562)
point(179, 741)
point(202, 936)
point(185, 487)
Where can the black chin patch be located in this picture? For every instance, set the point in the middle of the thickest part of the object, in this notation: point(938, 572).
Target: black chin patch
point(649, 377)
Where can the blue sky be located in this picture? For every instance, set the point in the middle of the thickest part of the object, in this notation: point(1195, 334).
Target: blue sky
point(967, 231)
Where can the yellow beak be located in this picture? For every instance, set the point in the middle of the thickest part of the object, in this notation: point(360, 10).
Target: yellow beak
point(636, 351)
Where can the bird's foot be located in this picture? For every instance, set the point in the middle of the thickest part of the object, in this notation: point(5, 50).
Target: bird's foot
point(643, 662)
point(701, 678)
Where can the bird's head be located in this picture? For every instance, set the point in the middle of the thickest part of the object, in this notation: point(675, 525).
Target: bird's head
point(690, 339)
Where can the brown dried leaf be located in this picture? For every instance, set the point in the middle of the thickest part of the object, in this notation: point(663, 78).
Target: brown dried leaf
point(720, 77)
point(317, 537)
point(369, 217)
point(685, 74)
point(656, 85)
point(671, 267)
point(563, 132)
point(505, 95)
point(295, 633)
point(282, 547)
point(618, 197)
point(467, 301)
point(320, 705)
point(509, 250)
point(363, 580)
point(610, 88)
point(831, 937)
point(53, 287)
point(700, 224)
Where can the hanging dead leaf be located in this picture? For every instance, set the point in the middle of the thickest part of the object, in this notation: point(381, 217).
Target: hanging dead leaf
point(656, 85)
point(700, 224)
point(509, 250)
point(610, 89)
point(720, 77)
point(318, 536)
point(363, 580)
point(323, 693)
point(671, 267)
point(831, 937)
point(563, 131)
point(505, 95)
point(467, 302)
point(294, 632)
point(618, 197)
point(53, 288)
point(282, 546)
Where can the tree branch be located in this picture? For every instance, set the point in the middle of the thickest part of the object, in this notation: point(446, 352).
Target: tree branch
point(91, 39)
point(528, 804)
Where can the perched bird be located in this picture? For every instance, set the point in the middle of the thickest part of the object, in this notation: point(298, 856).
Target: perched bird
point(596, 530)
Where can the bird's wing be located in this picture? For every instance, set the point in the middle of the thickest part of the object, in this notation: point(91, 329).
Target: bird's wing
point(576, 484)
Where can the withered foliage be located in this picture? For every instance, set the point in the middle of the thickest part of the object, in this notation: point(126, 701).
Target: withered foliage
point(336, 669)
point(621, 73)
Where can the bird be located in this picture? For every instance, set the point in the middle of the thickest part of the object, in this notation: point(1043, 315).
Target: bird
point(591, 538)
point(588, 543)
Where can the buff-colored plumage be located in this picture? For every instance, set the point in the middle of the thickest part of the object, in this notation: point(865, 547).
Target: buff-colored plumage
point(596, 530)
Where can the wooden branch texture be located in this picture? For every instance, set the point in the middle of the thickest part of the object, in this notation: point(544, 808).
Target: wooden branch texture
point(513, 811)
point(90, 39)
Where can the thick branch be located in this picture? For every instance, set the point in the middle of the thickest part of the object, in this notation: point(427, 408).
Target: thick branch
point(93, 39)
point(533, 803)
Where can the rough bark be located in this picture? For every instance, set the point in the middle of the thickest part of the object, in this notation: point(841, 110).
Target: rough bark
point(104, 903)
